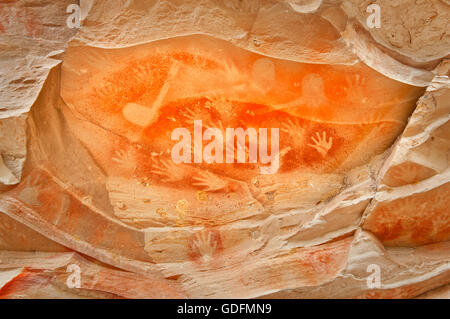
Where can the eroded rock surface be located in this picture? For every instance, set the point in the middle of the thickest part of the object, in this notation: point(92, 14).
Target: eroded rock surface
point(355, 203)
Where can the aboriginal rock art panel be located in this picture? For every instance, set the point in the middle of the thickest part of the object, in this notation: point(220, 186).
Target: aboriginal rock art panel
point(127, 102)
point(15, 18)
point(407, 173)
point(413, 220)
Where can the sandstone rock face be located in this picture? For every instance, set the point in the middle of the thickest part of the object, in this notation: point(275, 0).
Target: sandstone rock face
point(341, 188)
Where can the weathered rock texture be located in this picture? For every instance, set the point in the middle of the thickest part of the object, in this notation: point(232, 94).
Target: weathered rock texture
point(359, 207)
